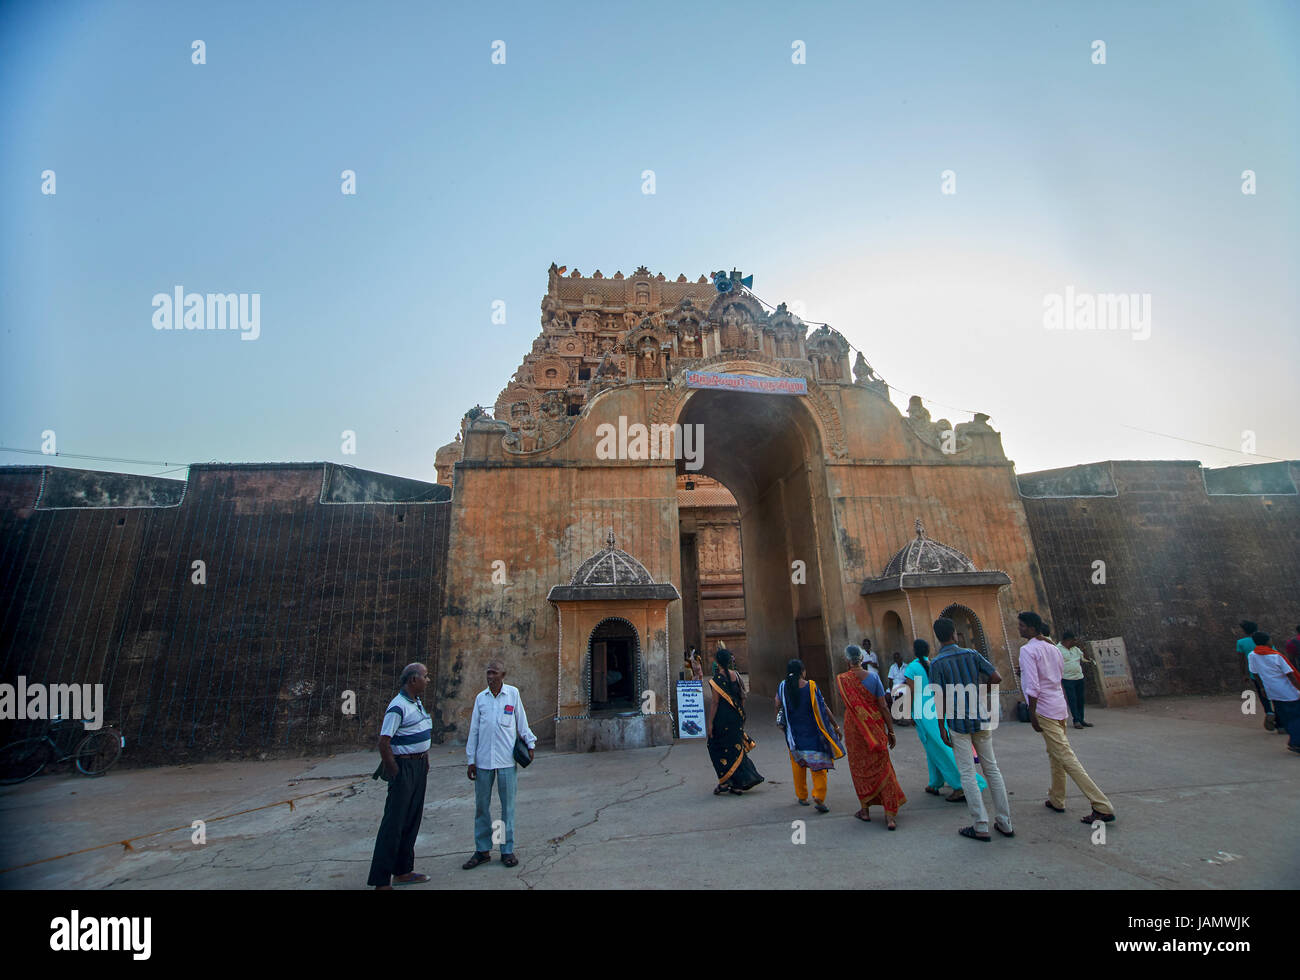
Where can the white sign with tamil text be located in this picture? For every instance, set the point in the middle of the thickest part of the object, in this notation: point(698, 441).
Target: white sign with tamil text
point(690, 709)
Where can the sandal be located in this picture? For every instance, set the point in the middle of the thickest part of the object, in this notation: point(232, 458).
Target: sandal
point(479, 857)
point(822, 807)
point(891, 825)
point(933, 791)
point(956, 796)
point(863, 815)
point(1004, 833)
point(509, 860)
point(415, 879)
point(736, 792)
point(974, 835)
point(719, 790)
point(1058, 809)
point(801, 802)
point(1103, 817)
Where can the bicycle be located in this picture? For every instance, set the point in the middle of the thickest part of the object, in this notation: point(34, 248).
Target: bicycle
point(94, 754)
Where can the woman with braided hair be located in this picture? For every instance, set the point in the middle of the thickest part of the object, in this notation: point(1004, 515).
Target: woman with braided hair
point(808, 727)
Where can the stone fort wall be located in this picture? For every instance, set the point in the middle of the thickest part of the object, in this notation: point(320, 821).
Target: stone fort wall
point(1188, 554)
point(320, 579)
point(323, 579)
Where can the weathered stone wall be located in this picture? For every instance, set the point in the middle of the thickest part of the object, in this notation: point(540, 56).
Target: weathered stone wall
point(303, 600)
point(542, 516)
point(1183, 566)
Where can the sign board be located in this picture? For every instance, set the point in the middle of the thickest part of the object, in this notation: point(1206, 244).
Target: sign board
point(690, 710)
point(754, 384)
point(1117, 687)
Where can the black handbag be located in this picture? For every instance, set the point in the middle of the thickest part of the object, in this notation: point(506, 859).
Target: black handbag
point(521, 752)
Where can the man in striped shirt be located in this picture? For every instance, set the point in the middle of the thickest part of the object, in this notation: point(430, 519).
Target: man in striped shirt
point(962, 677)
point(404, 740)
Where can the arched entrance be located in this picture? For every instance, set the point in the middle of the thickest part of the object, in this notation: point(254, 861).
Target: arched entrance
point(613, 663)
point(970, 631)
point(893, 640)
point(767, 450)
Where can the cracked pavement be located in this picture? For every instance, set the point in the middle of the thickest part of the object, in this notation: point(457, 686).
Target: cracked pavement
point(1203, 794)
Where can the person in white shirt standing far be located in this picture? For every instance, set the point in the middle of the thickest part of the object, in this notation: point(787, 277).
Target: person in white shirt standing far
point(498, 719)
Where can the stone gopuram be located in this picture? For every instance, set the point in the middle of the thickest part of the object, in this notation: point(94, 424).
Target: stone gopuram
point(768, 506)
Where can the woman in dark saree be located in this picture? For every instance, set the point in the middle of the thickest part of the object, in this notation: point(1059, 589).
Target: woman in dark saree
point(729, 746)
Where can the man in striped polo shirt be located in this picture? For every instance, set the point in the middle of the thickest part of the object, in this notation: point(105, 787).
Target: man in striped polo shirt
point(404, 740)
point(967, 708)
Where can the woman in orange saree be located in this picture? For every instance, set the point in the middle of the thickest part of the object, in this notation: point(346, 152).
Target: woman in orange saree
point(868, 737)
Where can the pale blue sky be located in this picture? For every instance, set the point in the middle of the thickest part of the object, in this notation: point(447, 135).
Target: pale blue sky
point(822, 180)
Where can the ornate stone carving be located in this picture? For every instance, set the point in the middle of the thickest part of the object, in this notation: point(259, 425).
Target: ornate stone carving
point(554, 423)
point(828, 352)
point(537, 433)
point(446, 458)
point(864, 376)
point(937, 435)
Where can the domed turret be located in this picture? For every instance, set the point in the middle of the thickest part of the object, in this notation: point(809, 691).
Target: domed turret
point(922, 556)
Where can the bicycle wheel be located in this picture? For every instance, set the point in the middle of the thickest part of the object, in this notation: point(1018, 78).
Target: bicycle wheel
point(97, 752)
point(23, 759)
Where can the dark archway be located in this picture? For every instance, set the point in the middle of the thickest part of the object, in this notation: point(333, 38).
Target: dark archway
point(767, 450)
point(893, 639)
point(613, 667)
point(970, 631)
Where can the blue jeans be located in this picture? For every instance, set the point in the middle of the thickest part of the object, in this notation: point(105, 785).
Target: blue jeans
point(506, 784)
point(1288, 717)
point(1074, 697)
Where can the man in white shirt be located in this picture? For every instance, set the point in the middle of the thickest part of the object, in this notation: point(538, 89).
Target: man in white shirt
point(869, 664)
point(498, 719)
point(1281, 684)
point(897, 685)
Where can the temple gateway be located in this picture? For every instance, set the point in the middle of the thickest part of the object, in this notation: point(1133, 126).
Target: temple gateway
point(791, 535)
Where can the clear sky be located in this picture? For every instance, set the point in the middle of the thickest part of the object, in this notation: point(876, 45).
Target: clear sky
point(821, 179)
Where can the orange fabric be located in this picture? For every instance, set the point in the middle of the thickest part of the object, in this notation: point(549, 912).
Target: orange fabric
point(801, 781)
point(867, 740)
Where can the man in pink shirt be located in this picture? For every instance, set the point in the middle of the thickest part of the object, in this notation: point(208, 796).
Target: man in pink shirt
point(1040, 679)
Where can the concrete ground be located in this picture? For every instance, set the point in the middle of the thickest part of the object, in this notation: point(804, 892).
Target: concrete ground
point(1205, 799)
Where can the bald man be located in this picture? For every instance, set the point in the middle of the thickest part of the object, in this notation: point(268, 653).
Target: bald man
point(404, 740)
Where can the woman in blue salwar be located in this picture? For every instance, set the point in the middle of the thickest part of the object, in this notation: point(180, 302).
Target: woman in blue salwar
point(808, 726)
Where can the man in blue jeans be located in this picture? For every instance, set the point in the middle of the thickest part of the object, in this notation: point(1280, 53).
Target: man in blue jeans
point(497, 720)
point(1278, 676)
